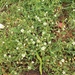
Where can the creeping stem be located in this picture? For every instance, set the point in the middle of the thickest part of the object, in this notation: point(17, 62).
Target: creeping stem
point(40, 60)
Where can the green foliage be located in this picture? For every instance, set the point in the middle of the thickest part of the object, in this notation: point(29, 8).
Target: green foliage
point(37, 34)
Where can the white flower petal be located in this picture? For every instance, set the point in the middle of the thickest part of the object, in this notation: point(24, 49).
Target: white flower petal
point(73, 43)
point(62, 60)
point(29, 67)
point(43, 48)
point(22, 30)
point(2, 26)
point(23, 55)
point(63, 72)
point(45, 23)
point(5, 55)
point(32, 62)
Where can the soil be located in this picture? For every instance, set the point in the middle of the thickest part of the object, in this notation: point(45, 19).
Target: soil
point(32, 72)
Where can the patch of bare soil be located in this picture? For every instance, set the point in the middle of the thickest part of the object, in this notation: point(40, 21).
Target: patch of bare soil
point(32, 72)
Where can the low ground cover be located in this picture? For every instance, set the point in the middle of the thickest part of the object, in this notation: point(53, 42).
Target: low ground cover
point(37, 36)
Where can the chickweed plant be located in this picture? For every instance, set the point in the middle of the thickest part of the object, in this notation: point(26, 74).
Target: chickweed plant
point(37, 35)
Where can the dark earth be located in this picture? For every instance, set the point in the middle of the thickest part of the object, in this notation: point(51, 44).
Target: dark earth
point(33, 72)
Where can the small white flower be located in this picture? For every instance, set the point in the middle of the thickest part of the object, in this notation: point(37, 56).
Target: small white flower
point(14, 72)
point(17, 48)
point(3, 42)
point(2, 26)
point(52, 22)
point(32, 27)
point(43, 48)
point(39, 20)
point(49, 42)
point(26, 39)
point(7, 26)
point(29, 31)
point(33, 34)
point(37, 17)
point(22, 30)
point(73, 20)
point(5, 55)
point(32, 62)
point(28, 16)
point(9, 56)
point(60, 63)
point(33, 42)
point(16, 40)
point(37, 45)
point(45, 13)
point(23, 55)
point(45, 43)
point(73, 9)
point(19, 9)
point(29, 67)
point(45, 23)
point(62, 60)
point(38, 41)
point(55, 15)
point(63, 72)
point(17, 62)
point(73, 43)
point(24, 44)
point(43, 32)
point(63, 28)
point(11, 32)
point(31, 39)
point(42, 0)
